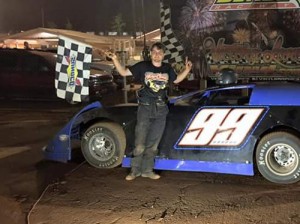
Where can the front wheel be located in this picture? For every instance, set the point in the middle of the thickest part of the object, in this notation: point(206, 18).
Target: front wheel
point(277, 157)
point(103, 145)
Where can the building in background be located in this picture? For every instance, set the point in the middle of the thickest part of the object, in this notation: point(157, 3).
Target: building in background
point(47, 39)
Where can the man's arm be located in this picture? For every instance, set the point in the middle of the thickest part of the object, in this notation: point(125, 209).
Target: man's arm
point(122, 71)
point(182, 75)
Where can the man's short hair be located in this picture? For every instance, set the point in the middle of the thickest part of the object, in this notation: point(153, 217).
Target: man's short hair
point(159, 46)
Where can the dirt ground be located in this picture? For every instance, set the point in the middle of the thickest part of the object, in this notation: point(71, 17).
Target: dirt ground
point(89, 195)
point(35, 191)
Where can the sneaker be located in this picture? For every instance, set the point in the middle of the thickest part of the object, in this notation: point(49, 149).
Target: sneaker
point(151, 175)
point(132, 176)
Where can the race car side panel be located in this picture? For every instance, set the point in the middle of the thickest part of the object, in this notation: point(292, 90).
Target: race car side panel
point(177, 126)
point(277, 94)
point(235, 160)
point(199, 166)
point(183, 145)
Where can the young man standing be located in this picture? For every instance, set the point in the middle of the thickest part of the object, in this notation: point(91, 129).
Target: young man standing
point(152, 110)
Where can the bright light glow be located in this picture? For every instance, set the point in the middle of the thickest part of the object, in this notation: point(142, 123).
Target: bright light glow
point(44, 35)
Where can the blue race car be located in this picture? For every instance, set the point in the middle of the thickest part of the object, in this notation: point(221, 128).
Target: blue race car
point(229, 129)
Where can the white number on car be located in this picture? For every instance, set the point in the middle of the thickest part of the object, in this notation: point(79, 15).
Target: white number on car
point(220, 127)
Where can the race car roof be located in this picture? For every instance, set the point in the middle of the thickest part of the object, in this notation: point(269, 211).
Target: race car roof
point(276, 94)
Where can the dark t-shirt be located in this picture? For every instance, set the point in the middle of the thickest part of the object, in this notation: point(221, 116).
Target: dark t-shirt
point(155, 80)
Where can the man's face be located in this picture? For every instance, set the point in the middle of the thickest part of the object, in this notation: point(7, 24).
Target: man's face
point(157, 55)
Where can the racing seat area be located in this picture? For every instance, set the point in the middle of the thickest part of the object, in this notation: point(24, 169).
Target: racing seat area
point(243, 100)
point(219, 103)
point(234, 101)
point(231, 97)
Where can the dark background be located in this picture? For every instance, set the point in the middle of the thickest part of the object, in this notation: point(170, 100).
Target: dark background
point(88, 15)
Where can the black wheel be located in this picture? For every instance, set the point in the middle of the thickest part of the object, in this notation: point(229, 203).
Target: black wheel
point(103, 145)
point(277, 157)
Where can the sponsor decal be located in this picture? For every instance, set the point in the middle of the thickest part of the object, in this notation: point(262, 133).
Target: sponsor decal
point(230, 5)
point(109, 163)
point(87, 135)
point(72, 71)
point(297, 174)
point(261, 159)
point(225, 127)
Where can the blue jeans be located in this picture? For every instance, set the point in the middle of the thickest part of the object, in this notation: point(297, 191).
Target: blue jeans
point(151, 120)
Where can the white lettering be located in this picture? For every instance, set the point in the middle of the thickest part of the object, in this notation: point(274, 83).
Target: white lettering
point(220, 127)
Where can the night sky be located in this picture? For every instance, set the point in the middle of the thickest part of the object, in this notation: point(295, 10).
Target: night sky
point(84, 15)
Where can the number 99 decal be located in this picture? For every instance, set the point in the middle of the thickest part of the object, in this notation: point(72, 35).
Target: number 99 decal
point(220, 127)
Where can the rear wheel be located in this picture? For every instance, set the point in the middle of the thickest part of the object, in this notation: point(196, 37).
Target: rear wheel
point(103, 145)
point(277, 157)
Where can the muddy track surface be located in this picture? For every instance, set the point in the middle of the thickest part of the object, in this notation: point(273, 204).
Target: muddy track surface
point(90, 195)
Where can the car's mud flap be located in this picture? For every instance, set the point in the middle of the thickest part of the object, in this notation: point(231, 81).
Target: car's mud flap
point(59, 149)
point(199, 166)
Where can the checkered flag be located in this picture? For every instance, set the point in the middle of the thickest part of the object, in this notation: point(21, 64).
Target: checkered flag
point(174, 49)
point(209, 59)
point(72, 70)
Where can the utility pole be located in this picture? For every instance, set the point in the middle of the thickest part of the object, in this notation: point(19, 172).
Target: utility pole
point(133, 17)
point(143, 20)
point(125, 89)
point(146, 52)
point(43, 17)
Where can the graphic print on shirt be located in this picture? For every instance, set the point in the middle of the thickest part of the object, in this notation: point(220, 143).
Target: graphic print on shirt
point(156, 81)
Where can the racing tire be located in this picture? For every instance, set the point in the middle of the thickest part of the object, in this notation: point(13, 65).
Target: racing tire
point(103, 145)
point(277, 157)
